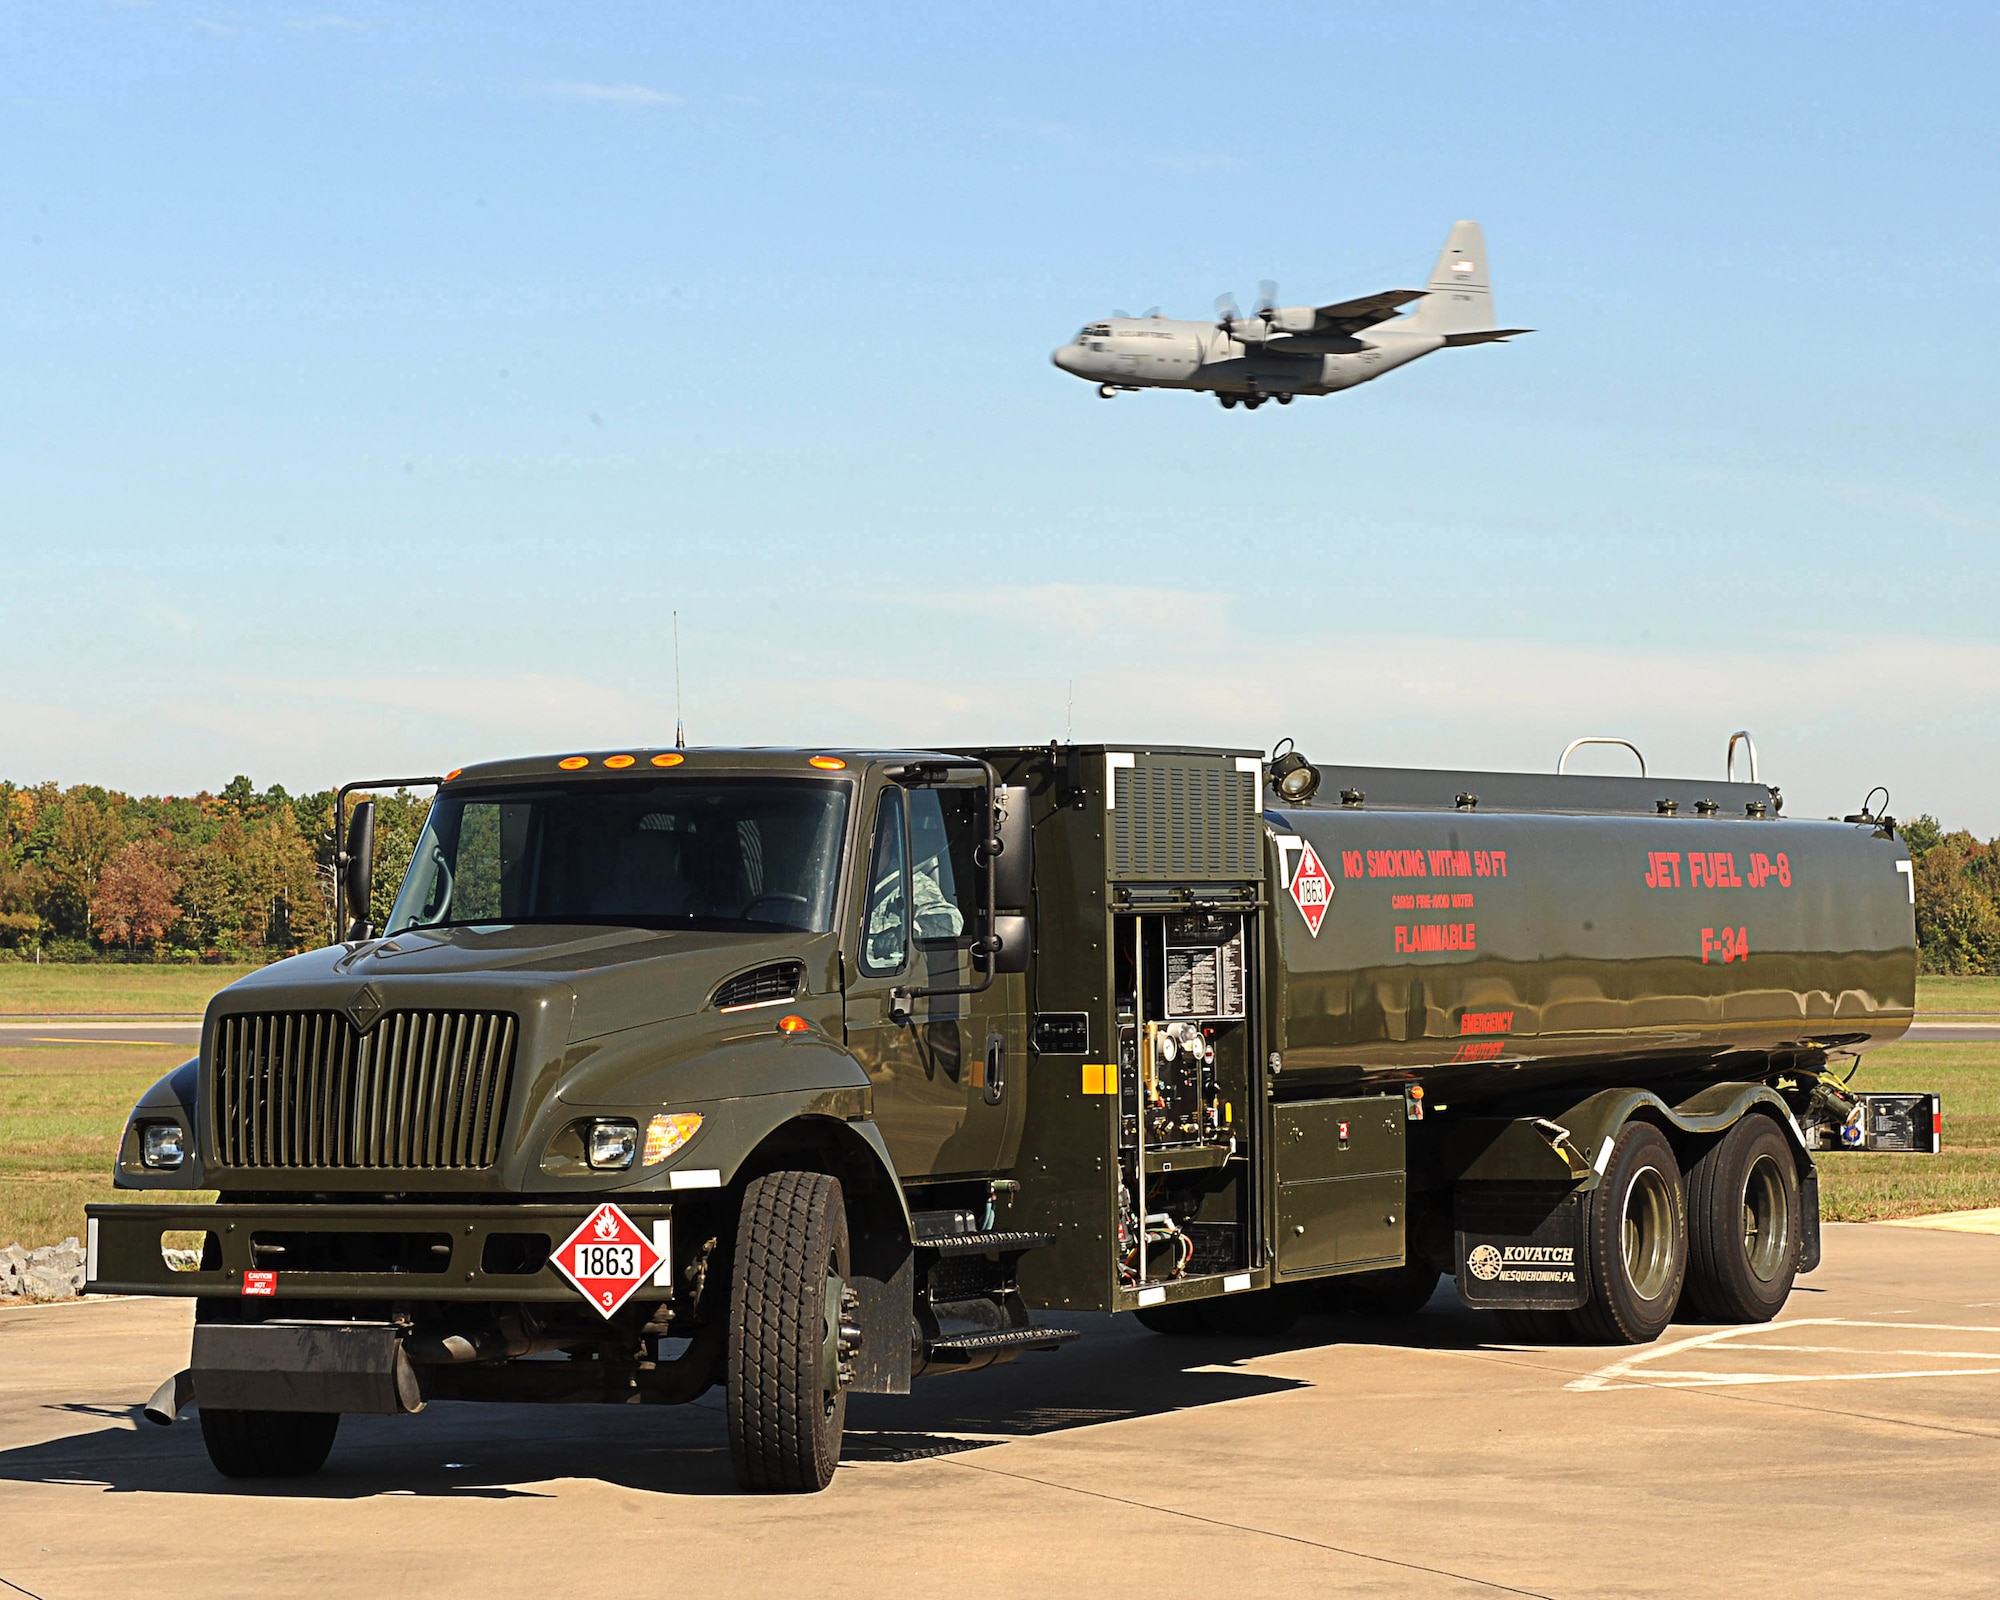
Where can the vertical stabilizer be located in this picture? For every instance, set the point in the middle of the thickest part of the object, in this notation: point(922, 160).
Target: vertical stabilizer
point(1460, 295)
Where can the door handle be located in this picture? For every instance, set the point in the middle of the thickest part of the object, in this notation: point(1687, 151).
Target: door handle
point(996, 1067)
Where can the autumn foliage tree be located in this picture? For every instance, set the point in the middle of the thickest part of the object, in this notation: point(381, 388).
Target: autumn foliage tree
point(135, 903)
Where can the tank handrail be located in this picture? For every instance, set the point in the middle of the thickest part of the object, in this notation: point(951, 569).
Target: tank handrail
point(1570, 749)
point(1729, 764)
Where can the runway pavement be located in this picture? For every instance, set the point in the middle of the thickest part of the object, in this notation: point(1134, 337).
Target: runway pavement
point(1850, 1448)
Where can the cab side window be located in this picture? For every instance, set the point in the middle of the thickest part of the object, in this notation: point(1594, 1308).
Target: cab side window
point(885, 935)
point(944, 826)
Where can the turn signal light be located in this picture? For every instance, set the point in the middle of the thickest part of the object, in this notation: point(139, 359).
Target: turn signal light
point(668, 758)
point(571, 763)
point(667, 1132)
point(829, 763)
point(620, 762)
point(794, 1023)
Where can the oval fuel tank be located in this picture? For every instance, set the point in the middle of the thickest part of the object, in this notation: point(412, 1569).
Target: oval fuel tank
point(1473, 951)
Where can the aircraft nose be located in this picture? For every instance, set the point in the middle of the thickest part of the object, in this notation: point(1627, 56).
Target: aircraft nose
point(1064, 356)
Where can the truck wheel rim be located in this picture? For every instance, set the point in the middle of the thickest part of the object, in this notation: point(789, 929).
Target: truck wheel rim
point(1767, 1220)
point(1648, 1234)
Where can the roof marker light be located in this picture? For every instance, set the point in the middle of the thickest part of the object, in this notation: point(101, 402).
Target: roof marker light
point(668, 758)
point(619, 762)
point(793, 1023)
point(571, 763)
point(455, 771)
point(829, 763)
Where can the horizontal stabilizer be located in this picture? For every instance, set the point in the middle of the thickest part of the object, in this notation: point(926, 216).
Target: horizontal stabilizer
point(1484, 336)
point(1351, 316)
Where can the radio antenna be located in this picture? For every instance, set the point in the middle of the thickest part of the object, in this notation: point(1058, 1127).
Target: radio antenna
point(680, 729)
point(1069, 728)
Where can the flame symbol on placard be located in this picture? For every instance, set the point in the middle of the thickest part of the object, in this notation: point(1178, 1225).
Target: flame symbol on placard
point(607, 1225)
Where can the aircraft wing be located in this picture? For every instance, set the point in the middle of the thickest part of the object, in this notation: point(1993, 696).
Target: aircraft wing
point(1351, 316)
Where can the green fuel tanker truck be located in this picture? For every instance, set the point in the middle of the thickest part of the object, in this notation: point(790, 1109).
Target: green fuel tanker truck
point(807, 1073)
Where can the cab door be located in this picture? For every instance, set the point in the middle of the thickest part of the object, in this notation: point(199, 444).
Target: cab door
point(948, 1073)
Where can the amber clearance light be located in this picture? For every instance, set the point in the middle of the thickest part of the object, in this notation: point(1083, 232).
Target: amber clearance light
point(666, 1133)
point(620, 762)
point(829, 763)
point(571, 763)
point(668, 758)
point(794, 1023)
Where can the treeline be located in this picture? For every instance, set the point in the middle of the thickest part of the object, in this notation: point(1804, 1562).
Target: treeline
point(1958, 898)
point(88, 873)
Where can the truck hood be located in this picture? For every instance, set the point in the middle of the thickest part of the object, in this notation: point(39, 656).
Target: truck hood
point(614, 978)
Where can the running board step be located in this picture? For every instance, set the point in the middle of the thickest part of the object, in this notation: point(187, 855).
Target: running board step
point(982, 1244)
point(979, 1344)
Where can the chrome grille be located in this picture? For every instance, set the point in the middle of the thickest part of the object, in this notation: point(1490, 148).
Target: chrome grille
point(420, 1090)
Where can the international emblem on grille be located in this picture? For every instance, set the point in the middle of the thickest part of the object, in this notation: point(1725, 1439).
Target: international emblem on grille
point(365, 1007)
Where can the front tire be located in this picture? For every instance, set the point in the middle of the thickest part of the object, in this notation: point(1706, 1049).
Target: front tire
point(1636, 1238)
point(786, 1405)
point(1743, 1224)
point(268, 1444)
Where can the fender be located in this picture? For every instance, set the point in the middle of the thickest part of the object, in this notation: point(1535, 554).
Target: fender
point(173, 1096)
point(1572, 1145)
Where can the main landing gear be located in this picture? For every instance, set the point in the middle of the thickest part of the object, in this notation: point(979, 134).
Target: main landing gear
point(1250, 402)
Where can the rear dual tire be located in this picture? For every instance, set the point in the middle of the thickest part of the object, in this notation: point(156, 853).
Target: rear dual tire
point(1744, 1225)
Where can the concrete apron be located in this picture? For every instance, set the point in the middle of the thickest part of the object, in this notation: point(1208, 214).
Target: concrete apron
point(1848, 1449)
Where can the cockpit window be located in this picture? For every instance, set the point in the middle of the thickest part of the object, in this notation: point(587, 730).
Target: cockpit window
point(1097, 330)
point(729, 855)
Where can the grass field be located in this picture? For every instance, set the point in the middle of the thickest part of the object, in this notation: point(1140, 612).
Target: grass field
point(61, 1112)
point(1966, 1177)
point(1962, 995)
point(52, 988)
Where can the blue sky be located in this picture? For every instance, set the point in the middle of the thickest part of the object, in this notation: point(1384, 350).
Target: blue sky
point(376, 382)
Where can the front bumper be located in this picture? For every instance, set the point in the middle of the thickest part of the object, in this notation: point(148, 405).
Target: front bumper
point(483, 1253)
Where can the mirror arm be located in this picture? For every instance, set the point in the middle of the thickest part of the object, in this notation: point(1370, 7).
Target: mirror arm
point(340, 857)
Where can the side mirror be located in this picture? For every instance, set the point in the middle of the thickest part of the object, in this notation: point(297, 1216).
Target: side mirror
point(1014, 868)
point(1012, 943)
point(357, 865)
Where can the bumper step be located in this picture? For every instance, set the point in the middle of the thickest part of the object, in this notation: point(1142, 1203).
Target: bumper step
point(954, 1346)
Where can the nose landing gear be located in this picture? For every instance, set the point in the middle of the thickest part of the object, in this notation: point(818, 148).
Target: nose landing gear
point(1105, 391)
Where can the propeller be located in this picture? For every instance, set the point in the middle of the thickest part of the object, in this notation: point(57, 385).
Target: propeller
point(1226, 314)
point(1267, 299)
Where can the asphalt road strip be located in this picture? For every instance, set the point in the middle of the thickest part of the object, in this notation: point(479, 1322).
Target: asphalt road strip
point(17, 1036)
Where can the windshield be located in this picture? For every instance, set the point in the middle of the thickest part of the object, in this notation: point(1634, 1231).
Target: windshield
point(744, 855)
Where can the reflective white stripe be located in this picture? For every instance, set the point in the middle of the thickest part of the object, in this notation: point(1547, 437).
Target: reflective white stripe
point(695, 1178)
point(90, 1252)
point(1235, 1282)
point(1113, 760)
point(1603, 1157)
point(663, 1241)
point(1255, 769)
point(1287, 843)
point(1152, 1297)
point(1909, 877)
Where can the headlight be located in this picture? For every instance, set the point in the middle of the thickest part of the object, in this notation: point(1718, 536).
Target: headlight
point(162, 1144)
point(612, 1144)
point(667, 1132)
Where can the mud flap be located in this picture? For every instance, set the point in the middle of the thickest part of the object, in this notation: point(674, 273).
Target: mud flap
point(1520, 1247)
point(1809, 1218)
point(304, 1366)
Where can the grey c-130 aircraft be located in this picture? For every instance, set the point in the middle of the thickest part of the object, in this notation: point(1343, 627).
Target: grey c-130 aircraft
point(1277, 351)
